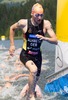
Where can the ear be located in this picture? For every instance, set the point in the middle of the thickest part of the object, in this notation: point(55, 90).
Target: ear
point(32, 13)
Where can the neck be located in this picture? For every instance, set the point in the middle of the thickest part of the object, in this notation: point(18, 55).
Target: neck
point(33, 22)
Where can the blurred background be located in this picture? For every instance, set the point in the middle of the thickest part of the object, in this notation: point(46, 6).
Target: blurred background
point(13, 10)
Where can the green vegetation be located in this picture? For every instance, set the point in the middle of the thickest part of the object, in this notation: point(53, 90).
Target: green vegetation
point(13, 1)
point(11, 12)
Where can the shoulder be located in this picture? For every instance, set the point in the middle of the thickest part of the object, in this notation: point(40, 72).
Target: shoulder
point(47, 24)
point(22, 22)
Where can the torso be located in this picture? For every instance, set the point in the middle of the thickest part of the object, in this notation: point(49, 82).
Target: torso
point(26, 26)
point(31, 42)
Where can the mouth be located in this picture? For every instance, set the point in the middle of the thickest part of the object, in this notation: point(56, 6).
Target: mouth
point(39, 20)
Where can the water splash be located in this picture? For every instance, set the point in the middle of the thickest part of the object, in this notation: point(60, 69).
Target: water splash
point(11, 66)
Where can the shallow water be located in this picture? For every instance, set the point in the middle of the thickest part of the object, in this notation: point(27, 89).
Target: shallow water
point(9, 66)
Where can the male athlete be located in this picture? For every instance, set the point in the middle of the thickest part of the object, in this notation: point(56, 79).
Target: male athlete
point(34, 30)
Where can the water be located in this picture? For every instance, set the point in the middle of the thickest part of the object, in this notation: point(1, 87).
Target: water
point(11, 66)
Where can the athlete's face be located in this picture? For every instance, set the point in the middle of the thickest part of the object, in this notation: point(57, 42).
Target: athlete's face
point(37, 15)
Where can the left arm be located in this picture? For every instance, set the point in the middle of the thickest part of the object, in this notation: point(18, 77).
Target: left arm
point(52, 37)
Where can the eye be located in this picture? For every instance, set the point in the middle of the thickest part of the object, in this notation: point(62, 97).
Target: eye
point(37, 15)
point(41, 15)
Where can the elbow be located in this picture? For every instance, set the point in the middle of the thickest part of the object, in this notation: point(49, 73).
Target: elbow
point(11, 28)
point(56, 40)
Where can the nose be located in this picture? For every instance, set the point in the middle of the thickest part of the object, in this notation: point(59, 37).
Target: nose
point(39, 17)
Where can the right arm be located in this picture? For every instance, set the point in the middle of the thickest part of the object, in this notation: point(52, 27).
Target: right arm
point(20, 24)
point(12, 32)
point(11, 37)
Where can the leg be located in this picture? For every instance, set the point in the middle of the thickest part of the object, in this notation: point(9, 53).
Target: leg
point(33, 68)
point(24, 91)
point(32, 77)
point(38, 92)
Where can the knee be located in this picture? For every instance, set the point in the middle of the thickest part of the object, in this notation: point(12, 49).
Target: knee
point(34, 72)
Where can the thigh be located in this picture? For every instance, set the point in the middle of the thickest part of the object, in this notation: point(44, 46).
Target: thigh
point(27, 60)
point(24, 57)
point(31, 66)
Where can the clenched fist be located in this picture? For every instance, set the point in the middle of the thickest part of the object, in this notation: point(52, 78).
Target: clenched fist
point(11, 50)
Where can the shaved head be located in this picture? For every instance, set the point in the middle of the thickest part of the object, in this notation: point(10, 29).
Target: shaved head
point(37, 8)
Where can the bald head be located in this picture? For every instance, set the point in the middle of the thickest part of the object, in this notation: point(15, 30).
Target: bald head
point(37, 8)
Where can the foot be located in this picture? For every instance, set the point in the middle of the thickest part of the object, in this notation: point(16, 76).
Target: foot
point(30, 98)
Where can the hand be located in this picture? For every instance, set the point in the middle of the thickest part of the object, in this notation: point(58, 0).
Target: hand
point(40, 37)
point(11, 50)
